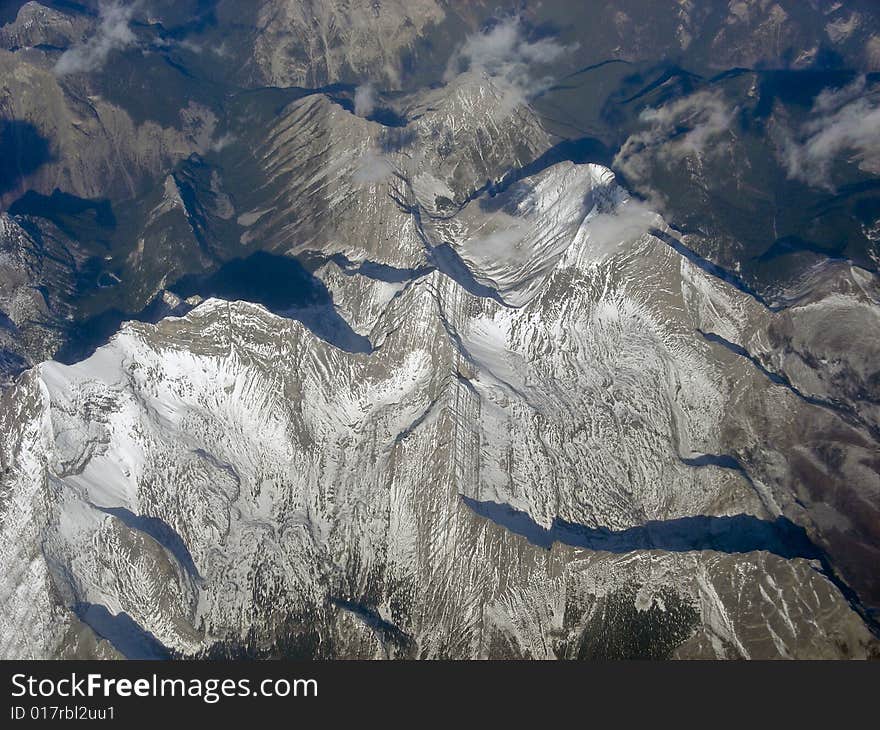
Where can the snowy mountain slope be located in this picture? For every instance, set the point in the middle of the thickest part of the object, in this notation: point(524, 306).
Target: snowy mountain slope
point(794, 425)
point(228, 480)
point(493, 407)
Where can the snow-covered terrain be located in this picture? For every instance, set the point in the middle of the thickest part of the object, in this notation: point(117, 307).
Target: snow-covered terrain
point(522, 452)
point(504, 409)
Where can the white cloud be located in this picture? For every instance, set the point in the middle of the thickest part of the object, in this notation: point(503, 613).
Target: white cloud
point(113, 33)
point(504, 244)
point(223, 141)
point(691, 126)
point(504, 54)
point(844, 124)
point(187, 45)
point(629, 220)
point(831, 100)
point(372, 168)
point(364, 100)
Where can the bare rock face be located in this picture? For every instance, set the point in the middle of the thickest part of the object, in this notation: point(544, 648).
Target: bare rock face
point(822, 432)
point(36, 274)
point(321, 41)
point(38, 25)
point(64, 131)
point(92, 148)
point(824, 344)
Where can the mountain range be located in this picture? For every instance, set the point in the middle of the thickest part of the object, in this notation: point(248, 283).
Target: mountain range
point(441, 330)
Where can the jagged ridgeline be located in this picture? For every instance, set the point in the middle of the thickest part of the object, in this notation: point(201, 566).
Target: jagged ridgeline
point(439, 330)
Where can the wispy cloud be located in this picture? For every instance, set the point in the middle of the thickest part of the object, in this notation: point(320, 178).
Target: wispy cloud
point(506, 244)
point(223, 141)
point(113, 33)
point(505, 54)
point(844, 124)
point(608, 231)
point(364, 100)
point(691, 126)
point(372, 168)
